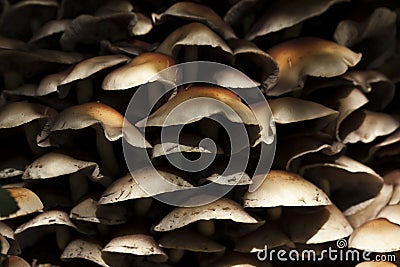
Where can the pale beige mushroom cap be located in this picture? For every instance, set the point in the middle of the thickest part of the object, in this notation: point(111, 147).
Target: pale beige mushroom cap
point(391, 213)
point(83, 249)
point(281, 188)
point(221, 209)
point(378, 235)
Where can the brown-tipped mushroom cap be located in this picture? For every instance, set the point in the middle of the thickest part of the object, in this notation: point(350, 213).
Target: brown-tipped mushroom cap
point(281, 188)
point(308, 56)
point(127, 187)
point(189, 240)
point(88, 114)
point(200, 13)
point(378, 235)
point(137, 244)
point(284, 14)
point(193, 34)
point(204, 95)
point(139, 71)
point(222, 209)
point(327, 224)
point(83, 249)
point(28, 202)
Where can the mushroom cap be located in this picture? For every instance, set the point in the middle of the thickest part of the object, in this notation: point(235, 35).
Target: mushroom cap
point(391, 213)
point(197, 12)
point(376, 264)
point(45, 223)
point(83, 249)
point(210, 98)
point(378, 235)
point(127, 187)
point(189, 240)
point(281, 188)
point(369, 209)
point(88, 114)
point(88, 210)
point(51, 27)
point(193, 34)
point(140, 70)
point(54, 164)
point(268, 234)
point(308, 56)
point(15, 261)
point(284, 14)
point(221, 209)
point(137, 244)
point(7, 232)
point(324, 225)
point(19, 113)
point(28, 202)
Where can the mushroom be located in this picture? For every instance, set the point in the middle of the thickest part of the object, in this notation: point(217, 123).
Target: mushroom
point(49, 222)
point(378, 235)
point(108, 124)
point(376, 264)
point(369, 209)
point(24, 114)
point(316, 227)
point(27, 201)
point(393, 177)
point(55, 164)
point(83, 249)
point(269, 234)
point(221, 209)
point(50, 32)
point(308, 56)
point(15, 261)
point(181, 240)
point(391, 213)
point(347, 181)
point(140, 70)
point(129, 187)
point(284, 14)
point(8, 233)
point(129, 249)
point(197, 12)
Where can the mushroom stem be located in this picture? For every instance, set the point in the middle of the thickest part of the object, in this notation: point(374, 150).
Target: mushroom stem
point(31, 130)
point(12, 80)
point(274, 213)
point(142, 205)
point(84, 91)
point(175, 255)
point(79, 185)
point(206, 227)
point(106, 152)
point(63, 236)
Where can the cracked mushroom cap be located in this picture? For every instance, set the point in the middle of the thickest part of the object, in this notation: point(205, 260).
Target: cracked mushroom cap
point(210, 97)
point(83, 249)
point(324, 225)
point(378, 235)
point(281, 188)
point(189, 240)
point(27, 201)
point(136, 245)
point(140, 70)
point(308, 56)
point(197, 12)
point(45, 223)
point(127, 187)
point(284, 14)
point(89, 114)
point(221, 209)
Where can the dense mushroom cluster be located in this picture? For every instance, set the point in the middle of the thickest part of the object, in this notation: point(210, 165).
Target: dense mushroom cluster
point(329, 70)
